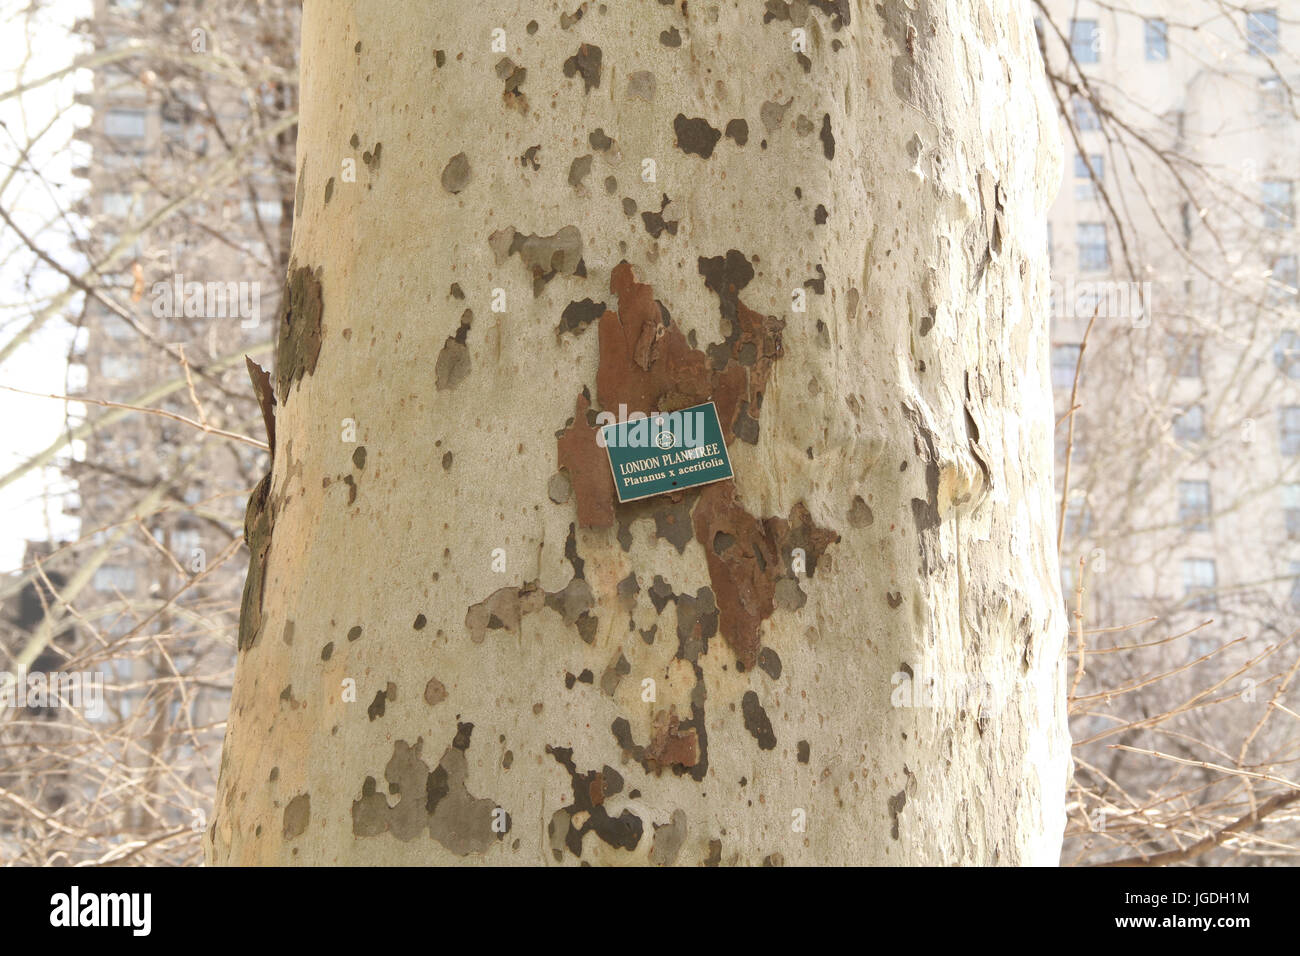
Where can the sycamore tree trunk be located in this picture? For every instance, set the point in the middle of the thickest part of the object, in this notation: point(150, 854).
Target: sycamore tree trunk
point(825, 217)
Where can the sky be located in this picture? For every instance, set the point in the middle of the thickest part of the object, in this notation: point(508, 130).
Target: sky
point(32, 45)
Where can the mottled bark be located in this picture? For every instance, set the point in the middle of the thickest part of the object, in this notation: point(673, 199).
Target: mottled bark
point(827, 218)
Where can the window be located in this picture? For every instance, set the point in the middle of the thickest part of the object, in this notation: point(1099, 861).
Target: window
point(124, 123)
point(1190, 425)
point(114, 578)
point(117, 329)
point(1286, 353)
point(1290, 421)
point(1283, 281)
point(1272, 96)
point(1065, 359)
point(1085, 182)
point(118, 366)
point(120, 160)
point(1085, 115)
point(1156, 33)
point(185, 541)
point(120, 205)
point(268, 210)
point(1183, 355)
point(1093, 256)
point(1291, 510)
point(1194, 505)
point(1085, 41)
point(1069, 582)
point(1277, 196)
point(1199, 582)
point(1261, 32)
point(1078, 518)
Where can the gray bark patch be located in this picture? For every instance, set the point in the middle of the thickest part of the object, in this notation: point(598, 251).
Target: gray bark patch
point(580, 169)
point(788, 596)
point(545, 257)
point(860, 514)
point(695, 136)
point(578, 315)
point(585, 63)
point(456, 174)
point(434, 692)
point(378, 705)
point(297, 814)
point(437, 800)
point(559, 489)
point(665, 220)
point(772, 114)
point(513, 76)
point(756, 722)
point(641, 85)
point(300, 329)
point(454, 365)
point(896, 804)
point(668, 839)
point(590, 791)
point(828, 140)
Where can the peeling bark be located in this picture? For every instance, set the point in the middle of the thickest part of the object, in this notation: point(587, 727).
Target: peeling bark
point(843, 248)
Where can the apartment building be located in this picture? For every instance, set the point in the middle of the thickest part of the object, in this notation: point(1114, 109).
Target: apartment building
point(203, 253)
point(1174, 236)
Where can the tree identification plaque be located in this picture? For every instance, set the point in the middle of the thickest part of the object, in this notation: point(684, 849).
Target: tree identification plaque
point(666, 451)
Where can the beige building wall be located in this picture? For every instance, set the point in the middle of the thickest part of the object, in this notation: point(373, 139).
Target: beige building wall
point(1195, 393)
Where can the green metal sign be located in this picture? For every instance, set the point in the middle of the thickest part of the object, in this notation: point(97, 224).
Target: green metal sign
point(666, 451)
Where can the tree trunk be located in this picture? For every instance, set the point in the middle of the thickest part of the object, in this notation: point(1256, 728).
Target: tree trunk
point(825, 217)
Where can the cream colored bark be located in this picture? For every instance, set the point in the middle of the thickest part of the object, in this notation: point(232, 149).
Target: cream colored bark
point(895, 175)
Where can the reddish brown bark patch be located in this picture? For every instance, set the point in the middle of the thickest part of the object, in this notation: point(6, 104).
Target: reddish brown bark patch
point(671, 744)
point(648, 365)
point(674, 744)
point(588, 468)
point(645, 361)
point(747, 557)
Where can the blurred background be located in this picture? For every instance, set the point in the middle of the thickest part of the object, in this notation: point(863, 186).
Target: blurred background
point(146, 200)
